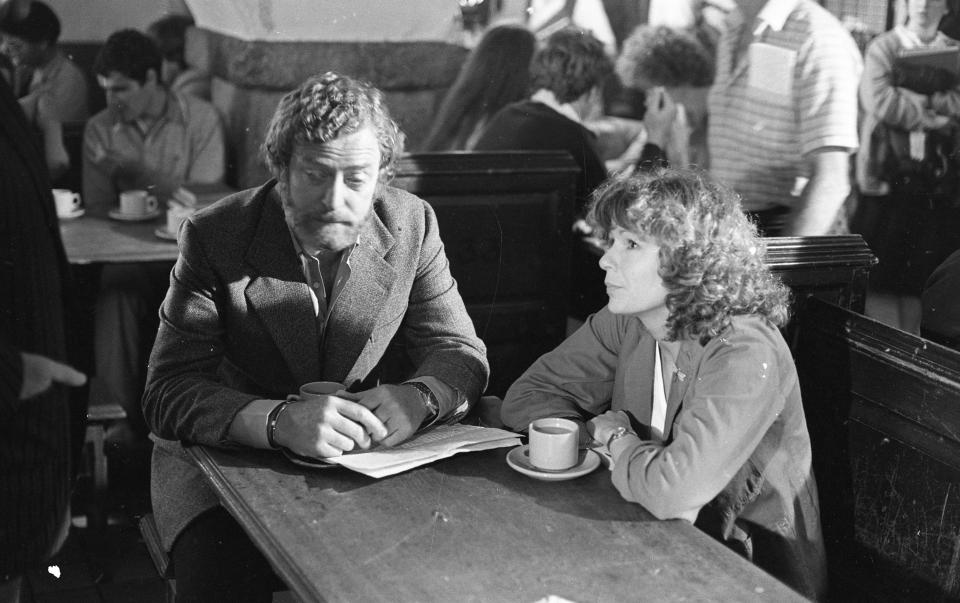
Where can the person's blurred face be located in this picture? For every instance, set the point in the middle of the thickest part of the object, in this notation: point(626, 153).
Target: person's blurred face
point(925, 13)
point(329, 189)
point(22, 52)
point(126, 97)
point(633, 283)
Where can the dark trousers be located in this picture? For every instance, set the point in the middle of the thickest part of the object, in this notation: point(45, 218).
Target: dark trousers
point(214, 560)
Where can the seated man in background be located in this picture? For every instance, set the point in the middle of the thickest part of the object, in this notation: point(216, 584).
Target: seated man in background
point(566, 75)
point(147, 138)
point(31, 44)
point(170, 34)
point(324, 273)
point(52, 88)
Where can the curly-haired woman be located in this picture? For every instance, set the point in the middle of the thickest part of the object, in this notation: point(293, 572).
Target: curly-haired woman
point(684, 377)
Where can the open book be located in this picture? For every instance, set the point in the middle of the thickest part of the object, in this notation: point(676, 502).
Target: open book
point(438, 443)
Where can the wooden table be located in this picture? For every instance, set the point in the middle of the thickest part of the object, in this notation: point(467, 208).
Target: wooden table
point(97, 239)
point(469, 528)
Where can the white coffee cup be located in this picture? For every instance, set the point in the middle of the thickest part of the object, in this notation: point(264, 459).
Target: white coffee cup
point(554, 443)
point(137, 202)
point(66, 200)
point(315, 389)
point(176, 215)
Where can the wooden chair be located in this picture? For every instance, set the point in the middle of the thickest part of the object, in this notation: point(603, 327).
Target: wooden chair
point(159, 557)
point(99, 418)
point(506, 222)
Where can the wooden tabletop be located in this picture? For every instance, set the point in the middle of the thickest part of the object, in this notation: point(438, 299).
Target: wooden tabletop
point(97, 238)
point(469, 528)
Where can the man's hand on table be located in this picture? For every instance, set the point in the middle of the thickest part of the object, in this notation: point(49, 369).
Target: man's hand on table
point(399, 407)
point(328, 426)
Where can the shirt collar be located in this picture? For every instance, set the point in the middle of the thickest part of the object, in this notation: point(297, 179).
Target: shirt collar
point(548, 98)
point(774, 14)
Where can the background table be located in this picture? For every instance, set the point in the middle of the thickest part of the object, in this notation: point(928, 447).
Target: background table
point(469, 528)
point(95, 238)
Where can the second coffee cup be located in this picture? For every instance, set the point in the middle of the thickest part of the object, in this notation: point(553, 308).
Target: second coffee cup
point(137, 203)
point(319, 388)
point(554, 444)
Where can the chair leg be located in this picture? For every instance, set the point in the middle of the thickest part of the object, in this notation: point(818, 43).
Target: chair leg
point(97, 515)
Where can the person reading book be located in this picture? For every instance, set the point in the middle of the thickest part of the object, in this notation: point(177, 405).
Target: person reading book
point(323, 273)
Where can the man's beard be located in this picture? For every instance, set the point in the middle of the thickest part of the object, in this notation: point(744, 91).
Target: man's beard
point(319, 231)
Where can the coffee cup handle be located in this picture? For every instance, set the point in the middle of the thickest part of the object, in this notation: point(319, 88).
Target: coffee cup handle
point(151, 204)
point(75, 200)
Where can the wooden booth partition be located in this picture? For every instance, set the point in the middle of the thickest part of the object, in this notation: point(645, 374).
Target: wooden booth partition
point(833, 268)
point(883, 409)
point(505, 220)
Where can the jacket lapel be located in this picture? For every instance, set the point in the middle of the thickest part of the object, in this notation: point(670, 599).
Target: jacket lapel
point(354, 315)
point(279, 296)
point(687, 360)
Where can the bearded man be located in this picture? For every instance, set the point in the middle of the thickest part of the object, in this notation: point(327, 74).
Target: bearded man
point(323, 273)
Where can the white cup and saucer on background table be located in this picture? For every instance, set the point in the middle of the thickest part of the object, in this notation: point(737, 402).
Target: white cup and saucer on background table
point(553, 452)
point(176, 215)
point(314, 389)
point(67, 203)
point(136, 206)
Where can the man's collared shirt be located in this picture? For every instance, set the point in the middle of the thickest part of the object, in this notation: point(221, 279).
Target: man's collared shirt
point(791, 92)
point(185, 143)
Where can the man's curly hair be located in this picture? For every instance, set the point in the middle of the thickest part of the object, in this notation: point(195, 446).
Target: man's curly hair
point(326, 107)
point(663, 56)
point(570, 63)
point(711, 258)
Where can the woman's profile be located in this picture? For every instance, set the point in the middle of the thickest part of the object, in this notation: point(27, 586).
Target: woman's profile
point(684, 377)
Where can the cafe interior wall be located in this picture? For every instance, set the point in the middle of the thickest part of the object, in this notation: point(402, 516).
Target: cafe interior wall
point(256, 50)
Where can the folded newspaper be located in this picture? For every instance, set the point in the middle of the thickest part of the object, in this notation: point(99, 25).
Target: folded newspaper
point(439, 443)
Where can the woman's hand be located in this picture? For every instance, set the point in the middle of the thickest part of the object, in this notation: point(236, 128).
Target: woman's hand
point(603, 426)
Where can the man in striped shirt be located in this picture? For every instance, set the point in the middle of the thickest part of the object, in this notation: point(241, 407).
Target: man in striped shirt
point(783, 114)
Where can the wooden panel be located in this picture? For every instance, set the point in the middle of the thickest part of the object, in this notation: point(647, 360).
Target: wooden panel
point(505, 220)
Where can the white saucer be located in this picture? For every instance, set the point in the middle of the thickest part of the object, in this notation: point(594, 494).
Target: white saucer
point(116, 214)
point(519, 460)
point(72, 215)
point(165, 234)
point(306, 461)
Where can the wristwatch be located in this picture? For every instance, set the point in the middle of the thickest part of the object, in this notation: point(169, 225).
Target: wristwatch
point(429, 401)
point(618, 433)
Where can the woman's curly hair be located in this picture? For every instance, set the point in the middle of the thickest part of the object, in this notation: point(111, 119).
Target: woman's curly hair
point(570, 64)
point(663, 56)
point(323, 108)
point(711, 258)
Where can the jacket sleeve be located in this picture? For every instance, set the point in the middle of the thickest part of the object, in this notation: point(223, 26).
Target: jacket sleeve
point(183, 398)
point(735, 398)
point(894, 106)
point(438, 333)
point(573, 381)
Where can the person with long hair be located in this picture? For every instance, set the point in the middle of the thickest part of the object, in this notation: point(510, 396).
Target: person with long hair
point(495, 74)
point(683, 380)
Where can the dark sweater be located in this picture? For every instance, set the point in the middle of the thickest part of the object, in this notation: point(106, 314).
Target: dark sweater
point(532, 126)
point(34, 434)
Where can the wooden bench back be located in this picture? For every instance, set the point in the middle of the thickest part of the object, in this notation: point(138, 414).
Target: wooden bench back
point(505, 220)
point(871, 391)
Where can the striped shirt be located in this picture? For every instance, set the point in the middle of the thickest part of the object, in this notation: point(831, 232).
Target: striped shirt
point(793, 91)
